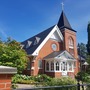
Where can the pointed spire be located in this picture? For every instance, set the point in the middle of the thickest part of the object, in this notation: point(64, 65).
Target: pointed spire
point(63, 22)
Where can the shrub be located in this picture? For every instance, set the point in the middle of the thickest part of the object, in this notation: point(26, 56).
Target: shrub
point(18, 78)
point(22, 79)
point(61, 81)
point(42, 78)
point(82, 76)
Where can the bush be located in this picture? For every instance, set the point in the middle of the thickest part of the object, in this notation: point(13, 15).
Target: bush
point(42, 78)
point(82, 76)
point(61, 81)
point(24, 79)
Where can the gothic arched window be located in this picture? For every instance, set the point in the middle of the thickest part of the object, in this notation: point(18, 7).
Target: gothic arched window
point(71, 45)
point(71, 42)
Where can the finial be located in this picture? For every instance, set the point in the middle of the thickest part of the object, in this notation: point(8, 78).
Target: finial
point(62, 5)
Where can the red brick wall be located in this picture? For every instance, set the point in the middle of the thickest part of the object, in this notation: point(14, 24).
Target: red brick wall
point(46, 50)
point(68, 33)
point(5, 82)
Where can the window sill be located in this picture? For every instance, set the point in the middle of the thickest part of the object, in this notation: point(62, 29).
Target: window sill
point(40, 68)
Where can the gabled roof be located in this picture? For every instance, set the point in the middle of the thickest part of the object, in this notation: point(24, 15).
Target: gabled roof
point(59, 54)
point(63, 22)
point(31, 47)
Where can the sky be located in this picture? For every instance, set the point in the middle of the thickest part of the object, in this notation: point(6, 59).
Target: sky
point(22, 19)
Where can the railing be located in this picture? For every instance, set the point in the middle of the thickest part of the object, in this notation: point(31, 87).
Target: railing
point(65, 87)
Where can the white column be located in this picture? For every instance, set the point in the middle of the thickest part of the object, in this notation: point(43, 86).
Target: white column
point(67, 66)
point(49, 65)
point(59, 66)
point(72, 66)
point(54, 65)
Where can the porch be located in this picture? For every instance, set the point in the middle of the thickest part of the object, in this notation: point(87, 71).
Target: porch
point(61, 64)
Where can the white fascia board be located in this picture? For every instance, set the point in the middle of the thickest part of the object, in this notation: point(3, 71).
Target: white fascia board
point(59, 33)
point(45, 40)
point(68, 54)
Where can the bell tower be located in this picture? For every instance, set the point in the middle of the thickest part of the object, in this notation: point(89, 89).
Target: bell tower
point(69, 35)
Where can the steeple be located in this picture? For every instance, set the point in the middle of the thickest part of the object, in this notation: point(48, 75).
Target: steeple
point(63, 22)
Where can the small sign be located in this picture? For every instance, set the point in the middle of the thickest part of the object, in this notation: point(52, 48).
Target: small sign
point(64, 73)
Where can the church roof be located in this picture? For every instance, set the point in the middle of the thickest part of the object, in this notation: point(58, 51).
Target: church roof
point(63, 22)
point(31, 44)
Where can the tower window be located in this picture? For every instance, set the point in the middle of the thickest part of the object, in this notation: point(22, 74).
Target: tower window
point(71, 43)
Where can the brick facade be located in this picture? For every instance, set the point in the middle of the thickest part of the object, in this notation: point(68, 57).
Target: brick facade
point(6, 74)
point(60, 37)
point(5, 82)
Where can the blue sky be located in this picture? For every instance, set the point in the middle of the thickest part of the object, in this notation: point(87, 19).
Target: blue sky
point(21, 19)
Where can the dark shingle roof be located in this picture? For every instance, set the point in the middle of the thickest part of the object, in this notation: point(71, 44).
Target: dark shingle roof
point(33, 47)
point(53, 54)
point(64, 23)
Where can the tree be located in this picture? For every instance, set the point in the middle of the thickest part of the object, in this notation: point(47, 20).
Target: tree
point(82, 50)
point(88, 44)
point(11, 54)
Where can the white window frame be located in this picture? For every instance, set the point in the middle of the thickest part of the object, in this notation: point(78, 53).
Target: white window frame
point(60, 62)
point(71, 42)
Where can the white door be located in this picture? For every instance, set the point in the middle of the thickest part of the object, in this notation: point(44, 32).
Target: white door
point(64, 68)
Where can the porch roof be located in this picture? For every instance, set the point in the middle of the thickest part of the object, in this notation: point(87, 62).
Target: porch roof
point(53, 54)
point(60, 54)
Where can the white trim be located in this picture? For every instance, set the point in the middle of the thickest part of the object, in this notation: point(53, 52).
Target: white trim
point(59, 33)
point(47, 38)
point(32, 68)
point(72, 66)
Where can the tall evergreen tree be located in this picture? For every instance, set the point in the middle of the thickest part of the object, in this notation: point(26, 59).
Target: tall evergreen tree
point(88, 43)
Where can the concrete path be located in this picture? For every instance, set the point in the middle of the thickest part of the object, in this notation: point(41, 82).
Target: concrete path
point(25, 86)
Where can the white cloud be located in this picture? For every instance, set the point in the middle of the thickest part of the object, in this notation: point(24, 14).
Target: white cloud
point(3, 33)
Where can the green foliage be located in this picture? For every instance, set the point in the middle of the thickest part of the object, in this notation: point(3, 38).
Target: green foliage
point(22, 79)
point(11, 54)
point(14, 86)
point(88, 44)
point(42, 78)
point(88, 67)
point(19, 78)
point(82, 50)
point(82, 76)
point(61, 81)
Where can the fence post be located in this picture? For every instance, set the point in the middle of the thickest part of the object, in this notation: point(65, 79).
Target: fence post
point(78, 86)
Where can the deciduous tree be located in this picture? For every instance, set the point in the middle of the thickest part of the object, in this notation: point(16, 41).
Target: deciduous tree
point(11, 54)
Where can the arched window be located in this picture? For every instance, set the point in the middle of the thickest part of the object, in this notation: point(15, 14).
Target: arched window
point(71, 45)
point(47, 66)
point(57, 66)
point(71, 42)
point(52, 66)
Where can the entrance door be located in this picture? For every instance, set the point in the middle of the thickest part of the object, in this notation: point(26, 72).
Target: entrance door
point(64, 68)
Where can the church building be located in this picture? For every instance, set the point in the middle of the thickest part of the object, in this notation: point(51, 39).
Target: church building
point(54, 51)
